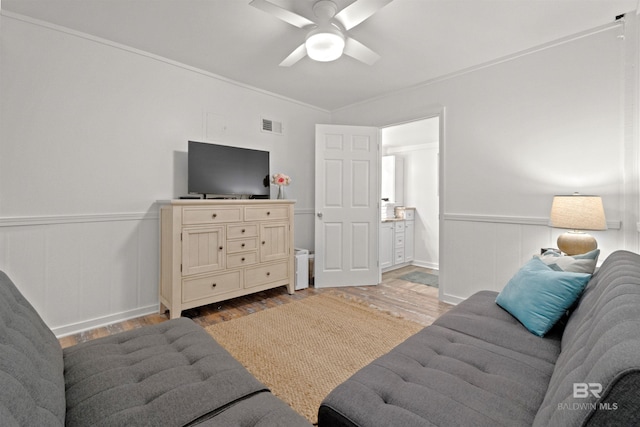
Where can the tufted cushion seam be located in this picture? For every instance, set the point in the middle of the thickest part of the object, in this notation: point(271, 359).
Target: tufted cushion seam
point(478, 319)
point(123, 345)
point(30, 361)
point(141, 354)
point(435, 390)
point(594, 314)
point(385, 401)
point(5, 348)
point(78, 402)
point(19, 385)
point(493, 351)
point(474, 367)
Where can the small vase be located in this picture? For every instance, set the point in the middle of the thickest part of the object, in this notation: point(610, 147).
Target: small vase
point(281, 192)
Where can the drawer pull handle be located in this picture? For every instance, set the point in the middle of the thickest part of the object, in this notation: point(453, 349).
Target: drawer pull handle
point(242, 245)
point(243, 230)
point(268, 273)
point(242, 260)
point(214, 215)
point(220, 248)
point(268, 213)
point(214, 285)
point(263, 242)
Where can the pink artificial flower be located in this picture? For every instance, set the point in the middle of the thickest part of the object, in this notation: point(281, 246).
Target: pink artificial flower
point(281, 179)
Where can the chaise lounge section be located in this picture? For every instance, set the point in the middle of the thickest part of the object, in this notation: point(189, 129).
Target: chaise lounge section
point(477, 365)
point(169, 374)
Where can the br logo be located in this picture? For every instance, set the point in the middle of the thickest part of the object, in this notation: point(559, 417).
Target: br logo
point(583, 390)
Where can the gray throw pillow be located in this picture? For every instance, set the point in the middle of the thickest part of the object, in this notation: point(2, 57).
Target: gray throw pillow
point(584, 263)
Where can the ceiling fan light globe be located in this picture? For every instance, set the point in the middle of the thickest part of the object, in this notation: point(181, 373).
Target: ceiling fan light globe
point(325, 46)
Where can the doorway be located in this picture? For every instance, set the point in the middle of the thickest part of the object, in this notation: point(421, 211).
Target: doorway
point(414, 150)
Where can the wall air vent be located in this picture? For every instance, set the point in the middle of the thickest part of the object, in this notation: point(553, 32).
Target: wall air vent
point(272, 126)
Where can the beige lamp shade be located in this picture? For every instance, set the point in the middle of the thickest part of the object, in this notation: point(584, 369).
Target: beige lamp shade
point(577, 212)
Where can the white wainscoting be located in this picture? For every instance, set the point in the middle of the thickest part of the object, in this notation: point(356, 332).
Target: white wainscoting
point(84, 271)
point(483, 251)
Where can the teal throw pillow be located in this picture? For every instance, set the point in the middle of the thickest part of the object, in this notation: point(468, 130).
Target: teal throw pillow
point(584, 263)
point(538, 296)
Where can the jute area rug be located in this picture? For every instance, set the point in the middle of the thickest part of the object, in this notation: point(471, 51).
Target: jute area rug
point(303, 349)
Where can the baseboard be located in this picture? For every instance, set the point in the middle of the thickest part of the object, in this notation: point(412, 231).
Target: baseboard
point(395, 267)
point(451, 299)
point(74, 328)
point(426, 264)
point(429, 265)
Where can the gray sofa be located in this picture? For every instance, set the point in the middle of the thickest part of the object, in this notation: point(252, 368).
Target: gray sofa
point(478, 366)
point(169, 374)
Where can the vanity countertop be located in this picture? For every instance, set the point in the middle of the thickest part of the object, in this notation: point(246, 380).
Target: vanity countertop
point(404, 208)
point(392, 219)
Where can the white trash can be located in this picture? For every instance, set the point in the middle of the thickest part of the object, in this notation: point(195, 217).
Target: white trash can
point(302, 268)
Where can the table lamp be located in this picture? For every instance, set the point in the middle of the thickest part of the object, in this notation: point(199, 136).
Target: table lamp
point(577, 212)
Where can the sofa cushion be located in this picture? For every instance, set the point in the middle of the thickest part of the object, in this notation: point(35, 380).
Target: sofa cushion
point(171, 373)
point(539, 296)
point(600, 352)
point(31, 366)
point(476, 365)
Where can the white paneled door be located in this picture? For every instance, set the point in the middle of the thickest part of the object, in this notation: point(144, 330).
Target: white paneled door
point(347, 212)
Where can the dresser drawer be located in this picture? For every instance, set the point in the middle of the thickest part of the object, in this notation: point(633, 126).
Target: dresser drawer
point(242, 230)
point(400, 240)
point(262, 213)
point(242, 245)
point(256, 276)
point(211, 215)
point(206, 286)
point(242, 259)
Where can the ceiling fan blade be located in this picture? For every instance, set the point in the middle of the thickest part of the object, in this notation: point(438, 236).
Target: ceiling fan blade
point(358, 11)
point(357, 50)
point(295, 56)
point(283, 14)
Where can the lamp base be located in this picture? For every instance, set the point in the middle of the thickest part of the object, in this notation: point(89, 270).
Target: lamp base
point(576, 243)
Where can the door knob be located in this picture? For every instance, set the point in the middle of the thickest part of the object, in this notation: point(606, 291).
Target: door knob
point(319, 214)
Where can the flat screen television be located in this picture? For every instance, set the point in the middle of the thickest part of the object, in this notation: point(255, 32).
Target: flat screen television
point(227, 172)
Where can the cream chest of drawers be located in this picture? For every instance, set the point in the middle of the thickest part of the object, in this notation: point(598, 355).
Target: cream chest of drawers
point(213, 250)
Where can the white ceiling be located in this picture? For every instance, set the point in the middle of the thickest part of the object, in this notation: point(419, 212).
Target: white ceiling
point(418, 40)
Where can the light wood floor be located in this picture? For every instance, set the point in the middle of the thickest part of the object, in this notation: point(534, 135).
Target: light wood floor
point(411, 301)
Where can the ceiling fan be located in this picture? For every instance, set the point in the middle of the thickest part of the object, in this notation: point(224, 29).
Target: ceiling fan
point(327, 38)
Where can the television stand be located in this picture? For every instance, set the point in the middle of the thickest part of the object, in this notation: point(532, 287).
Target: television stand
point(215, 250)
